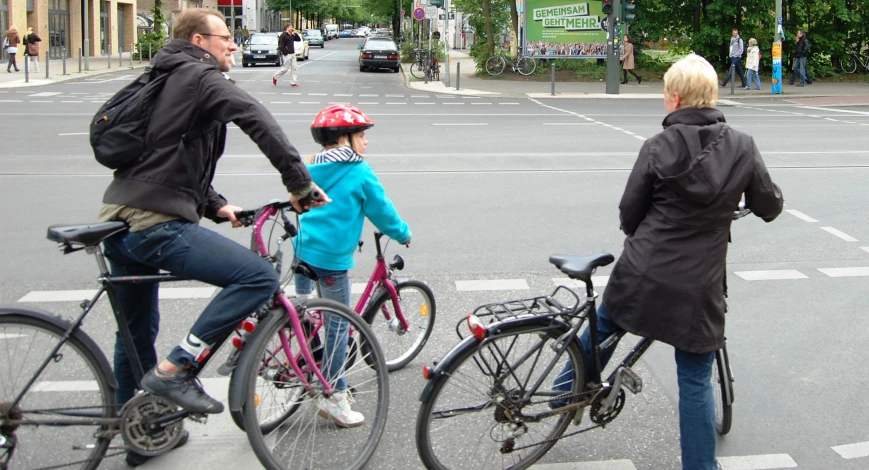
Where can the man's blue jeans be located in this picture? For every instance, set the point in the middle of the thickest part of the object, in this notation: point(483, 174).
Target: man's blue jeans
point(190, 251)
point(696, 405)
point(800, 68)
point(736, 65)
point(333, 285)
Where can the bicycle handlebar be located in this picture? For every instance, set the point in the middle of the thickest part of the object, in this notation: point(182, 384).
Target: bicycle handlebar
point(247, 217)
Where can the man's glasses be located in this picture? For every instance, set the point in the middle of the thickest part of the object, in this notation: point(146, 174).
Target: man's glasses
point(226, 38)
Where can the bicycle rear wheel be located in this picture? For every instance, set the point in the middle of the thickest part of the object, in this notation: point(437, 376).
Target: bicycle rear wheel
point(72, 387)
point(495, 65)
point(849, 64)
point(300, 438)
point(466, 419)
point(417, 304)
point(722, 386)
point(526, 65)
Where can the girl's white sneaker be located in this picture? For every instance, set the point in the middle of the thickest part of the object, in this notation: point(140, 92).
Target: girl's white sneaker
point(337, 408)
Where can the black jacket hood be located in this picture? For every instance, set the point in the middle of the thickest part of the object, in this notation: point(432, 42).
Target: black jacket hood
point(179, 52)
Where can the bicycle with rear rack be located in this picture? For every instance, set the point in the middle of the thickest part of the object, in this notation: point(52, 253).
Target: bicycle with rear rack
point(496, 388)
point(57, 405)
point(401, 313)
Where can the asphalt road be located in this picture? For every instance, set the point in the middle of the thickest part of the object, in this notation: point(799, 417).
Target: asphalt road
point(491, 187)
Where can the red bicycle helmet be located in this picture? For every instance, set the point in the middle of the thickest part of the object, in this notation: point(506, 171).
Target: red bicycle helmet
point(336, 120)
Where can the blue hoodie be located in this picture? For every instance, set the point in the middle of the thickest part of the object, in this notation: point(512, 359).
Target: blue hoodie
point(328, 235)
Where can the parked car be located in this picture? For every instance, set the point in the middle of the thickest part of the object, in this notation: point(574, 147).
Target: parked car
point(315, 38)
point(378, 53)
point(345, 33)
point(332, 30)
point(261, 48)
point(301, 48)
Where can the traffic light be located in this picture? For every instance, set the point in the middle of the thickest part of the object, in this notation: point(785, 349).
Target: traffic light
point(607, 7)
point(436, 3)
point(630, 9)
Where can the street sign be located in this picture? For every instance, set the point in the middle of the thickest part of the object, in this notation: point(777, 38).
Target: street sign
point(419, 14)
point(431, 13)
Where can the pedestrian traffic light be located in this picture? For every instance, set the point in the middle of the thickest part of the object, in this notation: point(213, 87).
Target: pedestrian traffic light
point(607, 7)
point(436, 3)
point(630, 9)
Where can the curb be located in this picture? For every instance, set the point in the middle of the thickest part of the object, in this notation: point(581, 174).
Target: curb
point(65, 78)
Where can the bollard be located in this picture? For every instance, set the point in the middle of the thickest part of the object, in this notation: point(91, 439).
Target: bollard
point(64, 61)
point(120, 56)
point(149, 52)
point(109, 51)
point(27, 69)
point(79, 60)
point(46, 64)
point(131, 54)
point(140, 52)
point(553, 78)
point(458, 74)
point(732, 78)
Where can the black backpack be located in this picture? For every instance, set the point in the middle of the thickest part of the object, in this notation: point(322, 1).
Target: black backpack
point(117, 131)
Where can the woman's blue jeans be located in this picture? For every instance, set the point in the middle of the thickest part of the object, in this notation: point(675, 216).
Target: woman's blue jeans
point(696, 401)
point(189, 251)
point(333, 285)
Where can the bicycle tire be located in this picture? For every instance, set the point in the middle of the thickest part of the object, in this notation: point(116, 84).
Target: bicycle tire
point(317, 439)
point(526, 65)
point(417, 71)
point(70, 379)
point(722, 387)
point(419, 311)
point(495, 65)
point(463, 447)
point(849, 64)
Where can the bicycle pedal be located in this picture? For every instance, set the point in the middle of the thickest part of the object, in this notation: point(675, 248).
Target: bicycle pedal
point(632, 381)
point(200, 418)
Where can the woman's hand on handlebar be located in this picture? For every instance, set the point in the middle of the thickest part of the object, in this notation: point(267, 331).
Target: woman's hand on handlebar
point(228, 212)
point(315, 198)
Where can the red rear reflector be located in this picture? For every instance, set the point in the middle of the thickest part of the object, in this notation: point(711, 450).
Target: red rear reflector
point(426, 372)
point(248, 326)
point(237, 342)
point(477, 328)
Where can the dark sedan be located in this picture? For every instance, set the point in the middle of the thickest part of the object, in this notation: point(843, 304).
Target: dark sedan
point(261, 48)
point(378, 53)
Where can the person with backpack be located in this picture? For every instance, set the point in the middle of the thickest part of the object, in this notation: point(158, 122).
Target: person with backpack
point(737, 47)
point(287, 48)
point(162, 193)
point(627, 60)
point(31, 49)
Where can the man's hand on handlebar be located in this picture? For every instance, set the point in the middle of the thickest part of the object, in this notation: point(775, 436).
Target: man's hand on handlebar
point(314, 197)
point(228, 212)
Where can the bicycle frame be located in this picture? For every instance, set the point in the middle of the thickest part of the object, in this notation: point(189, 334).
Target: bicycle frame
point(380, 277)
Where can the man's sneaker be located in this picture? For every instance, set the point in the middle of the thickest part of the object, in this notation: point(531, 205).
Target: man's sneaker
point(274, 81)
point(183, 389)
point(337, 408)
point(134, 460)
point(294, 84)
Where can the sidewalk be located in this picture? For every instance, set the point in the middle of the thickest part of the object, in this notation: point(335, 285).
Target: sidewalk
point(97, 66)
point(506, 87)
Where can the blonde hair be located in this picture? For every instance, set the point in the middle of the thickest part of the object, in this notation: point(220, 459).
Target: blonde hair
point(194, 21)
point(694, 80)
point(752, 42)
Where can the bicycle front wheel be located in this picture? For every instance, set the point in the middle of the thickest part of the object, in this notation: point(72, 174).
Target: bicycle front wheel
point(722, 386)
point(849, 64)
point(495, 65)
point(417, 71)
point(417, 304)
point(481, 404)
point(298, 438)
point(526, 65)
point(73, 387)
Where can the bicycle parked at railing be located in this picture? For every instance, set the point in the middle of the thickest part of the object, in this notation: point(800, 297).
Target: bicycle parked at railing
point(57, 405)
point(425, 64)
point(401, 313)
point(849, 64)
point(524, 65)
point(496, 390)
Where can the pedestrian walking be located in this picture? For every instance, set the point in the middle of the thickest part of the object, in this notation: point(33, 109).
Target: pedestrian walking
point(735, 57)
point(245, 35)
point(31, 49)
point(627, 60)
point(238, 35)
point(10, 43)
point(287, 47)
point(801, 61)
point(752, 64)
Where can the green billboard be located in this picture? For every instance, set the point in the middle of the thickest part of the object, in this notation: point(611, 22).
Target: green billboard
point(565, 29)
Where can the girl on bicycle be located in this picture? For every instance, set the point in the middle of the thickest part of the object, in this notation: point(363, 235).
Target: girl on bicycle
point(329, 237)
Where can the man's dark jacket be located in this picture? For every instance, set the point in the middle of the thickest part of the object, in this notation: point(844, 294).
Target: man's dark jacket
point(803, 47)
point(188, 133)
point(668, 284)
point(286, 43)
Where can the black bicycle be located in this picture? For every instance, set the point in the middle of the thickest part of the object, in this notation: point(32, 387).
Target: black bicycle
point(495, 388)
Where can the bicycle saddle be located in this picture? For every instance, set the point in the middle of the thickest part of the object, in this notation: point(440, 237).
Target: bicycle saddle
point(580, 267)
point(85, 235)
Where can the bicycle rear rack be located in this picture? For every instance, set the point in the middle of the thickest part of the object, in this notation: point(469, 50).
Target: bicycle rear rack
point(562, 301)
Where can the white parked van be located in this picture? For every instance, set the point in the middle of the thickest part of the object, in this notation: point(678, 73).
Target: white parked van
point(332, 31)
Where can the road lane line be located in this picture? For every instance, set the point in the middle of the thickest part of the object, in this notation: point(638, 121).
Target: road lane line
point(853, 451)
point(621, 464)
point(45, 93)
point(756, 462)
point(79, 295)
point(800, 215)
point(862, 113)
point(459, 124)
point(568, 124)
point(75, 133)
point(860, 271)
point(771, 275)
point(491, 284)
point(840, 234)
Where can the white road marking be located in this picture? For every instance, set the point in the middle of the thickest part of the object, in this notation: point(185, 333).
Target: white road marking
point(9, 335)
point(309, 102)
point(638, 137)
point(367, 102)
point(865, 248)
point(75, 133)
point(343, 94)
point(840, 234)
point(482, 103)
point(853, 451)
point(596, 281)
point(368, 95)
point(460, 124)
point(78, 295)
point(800, 215)
point(400, 102)
point(292, 94)
point(393, 96)
point(569, 124)
point(863, 113)
point(66, 386)
point(756, 462)
point(52, 101)
point(508, 104)
point(454, 103)
point(316, 94)
point(281, 102)
point(846, 272)
point(491, 284)
point(597, 465)
point(45, 93)
point(425, 102)
point(71, 101)
point(771, 275)
point(420, 96)
point(10, 101)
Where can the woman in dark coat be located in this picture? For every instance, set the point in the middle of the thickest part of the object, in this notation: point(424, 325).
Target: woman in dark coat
point(676, 211)
point(31, 49)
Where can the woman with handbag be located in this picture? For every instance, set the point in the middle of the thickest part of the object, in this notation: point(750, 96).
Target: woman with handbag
point(31, 49)
point(11, 42)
